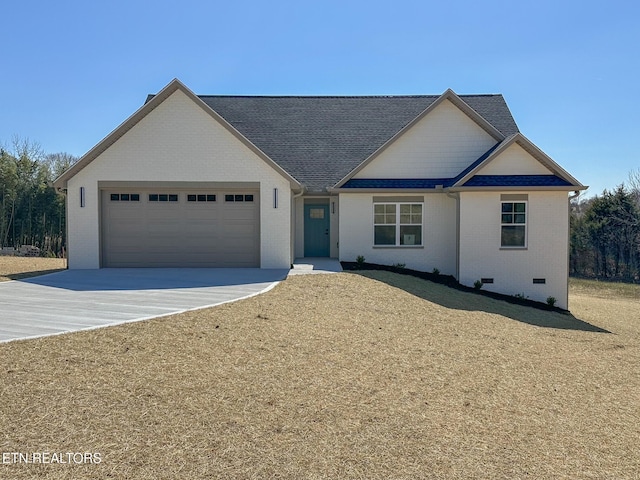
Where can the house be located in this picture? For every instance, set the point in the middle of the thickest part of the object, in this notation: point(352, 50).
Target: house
point(444, 182)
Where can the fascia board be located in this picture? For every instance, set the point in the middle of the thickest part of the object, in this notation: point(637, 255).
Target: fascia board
point(545, 159)
point(447, 95)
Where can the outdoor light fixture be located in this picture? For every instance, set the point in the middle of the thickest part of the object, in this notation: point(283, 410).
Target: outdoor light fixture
point(82, 197)
point(275, 198)
point(333, 207)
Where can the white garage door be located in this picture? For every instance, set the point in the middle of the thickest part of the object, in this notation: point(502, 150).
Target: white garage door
point(180, 228)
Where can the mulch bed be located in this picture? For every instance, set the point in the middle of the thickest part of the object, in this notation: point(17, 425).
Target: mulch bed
point(450, 281)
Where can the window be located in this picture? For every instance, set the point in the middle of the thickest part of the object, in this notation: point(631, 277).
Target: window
point(316, 213)
point(397, 224)
point(125, 197)
point(513, 225)
point(201, 198)
point(238, 198)
point(163, 197)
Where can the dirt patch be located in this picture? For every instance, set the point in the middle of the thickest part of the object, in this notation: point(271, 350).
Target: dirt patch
point(335, 376)
point(15, 268)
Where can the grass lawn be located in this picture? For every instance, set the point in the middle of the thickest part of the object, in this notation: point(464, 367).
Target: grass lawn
point(602, 289)
point(15, 268)
point(356, 375)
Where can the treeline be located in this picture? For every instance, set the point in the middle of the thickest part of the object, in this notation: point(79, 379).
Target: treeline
point(31, 212)
point(605, 234)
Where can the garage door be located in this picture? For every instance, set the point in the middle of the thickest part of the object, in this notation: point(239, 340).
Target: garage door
point(180, 228)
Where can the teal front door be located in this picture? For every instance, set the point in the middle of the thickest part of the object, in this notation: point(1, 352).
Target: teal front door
point(316, 230)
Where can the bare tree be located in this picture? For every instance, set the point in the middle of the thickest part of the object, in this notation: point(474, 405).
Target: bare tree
point(57, 163)
point(634, 185)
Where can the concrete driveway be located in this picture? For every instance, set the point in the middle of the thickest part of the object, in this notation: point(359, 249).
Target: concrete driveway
point(83, 299)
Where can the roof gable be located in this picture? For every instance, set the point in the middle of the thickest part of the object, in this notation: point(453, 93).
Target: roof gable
point(458, 102)
point(151, 104)
point(439, 145)
point(481, 168)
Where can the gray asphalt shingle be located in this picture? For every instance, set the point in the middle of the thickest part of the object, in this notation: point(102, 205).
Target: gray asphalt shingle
point(319, 140)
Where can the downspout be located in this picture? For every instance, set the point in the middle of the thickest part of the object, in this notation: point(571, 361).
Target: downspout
point(456, 197)
point(576, 194)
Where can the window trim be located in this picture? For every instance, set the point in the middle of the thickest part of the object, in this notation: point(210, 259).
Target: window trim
point(398, 224)
point(525, 224)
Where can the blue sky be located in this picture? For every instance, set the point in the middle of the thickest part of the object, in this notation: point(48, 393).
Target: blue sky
point(74, 70)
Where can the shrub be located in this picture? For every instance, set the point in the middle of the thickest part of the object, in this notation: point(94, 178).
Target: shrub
point(478, 284)
point(521, 296)
point(435, 271)
point(551, 301)
point(399, 265)
point(360, 261)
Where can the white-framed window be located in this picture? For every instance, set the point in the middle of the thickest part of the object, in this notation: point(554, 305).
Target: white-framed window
point(397, 224)
point(513, 224)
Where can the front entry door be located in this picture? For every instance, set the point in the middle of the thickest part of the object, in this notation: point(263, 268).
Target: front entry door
point(316, 230)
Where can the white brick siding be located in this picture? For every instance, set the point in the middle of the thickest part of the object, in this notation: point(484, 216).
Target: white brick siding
point(513, 270)
point(514, 161)
point(440, 145)
point(439, 234)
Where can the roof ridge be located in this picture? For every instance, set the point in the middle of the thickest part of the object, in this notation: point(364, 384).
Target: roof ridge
point(349, 96)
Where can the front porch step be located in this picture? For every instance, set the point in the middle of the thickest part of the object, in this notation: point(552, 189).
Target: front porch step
point(307, 265)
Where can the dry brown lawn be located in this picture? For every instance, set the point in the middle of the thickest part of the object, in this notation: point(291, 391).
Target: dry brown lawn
point(372, 376)
point(15, 268)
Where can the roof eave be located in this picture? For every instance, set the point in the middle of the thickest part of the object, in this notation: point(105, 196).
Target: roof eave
point(493, 188)
point(388, 190)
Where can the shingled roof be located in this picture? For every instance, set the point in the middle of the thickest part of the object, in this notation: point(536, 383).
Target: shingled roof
point(319, 140)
